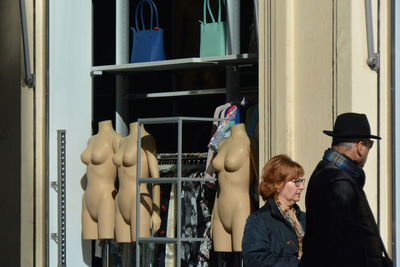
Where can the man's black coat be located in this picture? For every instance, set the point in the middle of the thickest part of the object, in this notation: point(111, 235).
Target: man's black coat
point(341, 230)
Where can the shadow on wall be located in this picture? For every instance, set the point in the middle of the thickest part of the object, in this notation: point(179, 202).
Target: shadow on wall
point(10, 132)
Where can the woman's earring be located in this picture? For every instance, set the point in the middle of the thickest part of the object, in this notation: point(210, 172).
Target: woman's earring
point(279, 190)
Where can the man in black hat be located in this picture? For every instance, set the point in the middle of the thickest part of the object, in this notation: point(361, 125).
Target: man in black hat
point(341, 230)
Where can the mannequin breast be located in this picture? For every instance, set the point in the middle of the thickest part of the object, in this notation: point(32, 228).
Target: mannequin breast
point(228, 160)
point(98, 151)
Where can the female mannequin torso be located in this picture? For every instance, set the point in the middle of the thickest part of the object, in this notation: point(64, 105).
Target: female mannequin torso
point(98, 204)
point(126, 161)
point(232, 204)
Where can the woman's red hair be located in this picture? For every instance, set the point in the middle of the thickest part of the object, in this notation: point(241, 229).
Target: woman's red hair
point(280, 169)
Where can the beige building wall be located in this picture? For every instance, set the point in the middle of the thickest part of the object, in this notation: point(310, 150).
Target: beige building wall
point(313, 67)
point(40, 132)
point(27, 152)
point(33, 142)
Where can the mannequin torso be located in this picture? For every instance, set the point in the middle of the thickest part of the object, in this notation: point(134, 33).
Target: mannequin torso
point(232, 205)
point(98, 198)
point(126, 161)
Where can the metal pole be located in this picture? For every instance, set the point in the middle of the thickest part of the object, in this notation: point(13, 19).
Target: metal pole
point(233, 18)
point(121, 57)
point(178, 197)
point(373, 58)
point(62, 201)
point(256, 18)
point(232, 75)
point(139, 171)
point(29, 77)
point(106, 260)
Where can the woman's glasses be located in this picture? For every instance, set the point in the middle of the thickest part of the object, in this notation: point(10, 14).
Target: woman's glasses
point(298, 181)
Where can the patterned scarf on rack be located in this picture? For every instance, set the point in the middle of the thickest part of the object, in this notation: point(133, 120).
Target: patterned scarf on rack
point(290, 215)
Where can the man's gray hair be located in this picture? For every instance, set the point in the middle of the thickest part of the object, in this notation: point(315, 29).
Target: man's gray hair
point(345, 145)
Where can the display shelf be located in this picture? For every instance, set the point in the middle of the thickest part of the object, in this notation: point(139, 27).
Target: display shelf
point(174, 64)
point(215, 91)
point(177, 93)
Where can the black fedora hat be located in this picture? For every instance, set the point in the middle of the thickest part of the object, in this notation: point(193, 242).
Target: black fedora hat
point(351, 125)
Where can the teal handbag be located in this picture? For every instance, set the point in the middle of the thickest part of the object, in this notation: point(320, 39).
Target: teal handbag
point(212, 35)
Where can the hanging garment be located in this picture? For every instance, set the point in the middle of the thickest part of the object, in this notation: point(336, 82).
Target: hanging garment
point(189, 199)
point(165, 195)
point(210, 172)
point(252, 121)
point(223, 130)
point(206, 203)
point(147, 255)
point(170, 258)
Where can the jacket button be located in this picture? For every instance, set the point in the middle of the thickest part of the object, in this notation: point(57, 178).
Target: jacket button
point(290, 243)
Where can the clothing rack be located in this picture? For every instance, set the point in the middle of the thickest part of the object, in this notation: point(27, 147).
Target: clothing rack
point(168, 161)
point(175, 155)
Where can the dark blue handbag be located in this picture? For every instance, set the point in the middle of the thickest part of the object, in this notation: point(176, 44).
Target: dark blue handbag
point(148, 44)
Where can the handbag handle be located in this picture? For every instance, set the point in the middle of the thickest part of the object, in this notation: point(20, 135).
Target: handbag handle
point(207, 4)
point(152, 6)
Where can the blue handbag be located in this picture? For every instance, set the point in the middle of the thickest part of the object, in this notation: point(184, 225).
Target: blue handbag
point(212, 35)
point(148, 44)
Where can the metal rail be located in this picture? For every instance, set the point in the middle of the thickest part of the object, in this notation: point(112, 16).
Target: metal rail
point(373, 58)
point(29, 76)
point(60, 187)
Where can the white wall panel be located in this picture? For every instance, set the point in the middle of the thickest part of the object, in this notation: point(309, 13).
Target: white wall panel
point(69, 110)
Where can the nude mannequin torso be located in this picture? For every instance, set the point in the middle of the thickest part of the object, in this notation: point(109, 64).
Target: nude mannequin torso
point(98, 202)
point(232, 204)
point(126, 161)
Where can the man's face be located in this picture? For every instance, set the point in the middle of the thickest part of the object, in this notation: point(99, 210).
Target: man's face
point(364, 146)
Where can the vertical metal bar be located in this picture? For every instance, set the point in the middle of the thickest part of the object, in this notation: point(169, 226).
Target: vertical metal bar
point(139, 171)
point(122, 32)
point(61, 172)
point(106, 260)
point(178, 197)
point(378, 124)
point(121, 57)
point(396, 132)
point(255, 2)
point(232, 75)
point(233, 18)
point(373, 58)
point(29, 77)
point(370, 31)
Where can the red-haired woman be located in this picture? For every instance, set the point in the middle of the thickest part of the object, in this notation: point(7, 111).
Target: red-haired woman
point(273, 235)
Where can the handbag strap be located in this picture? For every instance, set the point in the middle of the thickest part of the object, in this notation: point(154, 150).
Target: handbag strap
point(153, 8)
point(206, 5)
